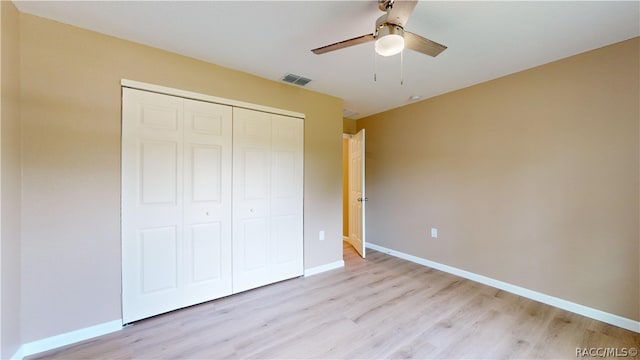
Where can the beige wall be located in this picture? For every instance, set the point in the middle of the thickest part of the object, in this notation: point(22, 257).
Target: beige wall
point(349, 126)
point(532, 179)
point(71, 157)
point(10, 180)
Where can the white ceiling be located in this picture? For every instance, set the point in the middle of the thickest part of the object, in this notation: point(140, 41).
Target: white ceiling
point(486, 39)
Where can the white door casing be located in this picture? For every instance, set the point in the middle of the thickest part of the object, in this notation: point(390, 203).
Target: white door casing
point(357, 195)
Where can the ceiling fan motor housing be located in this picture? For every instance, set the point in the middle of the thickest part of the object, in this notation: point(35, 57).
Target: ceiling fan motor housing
point(388, 29)
point(384, 27)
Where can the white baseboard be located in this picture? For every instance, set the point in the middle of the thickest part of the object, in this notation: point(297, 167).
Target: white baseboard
point(323, 268)
point(592, 313)
point(71, 337)
point(18, 355)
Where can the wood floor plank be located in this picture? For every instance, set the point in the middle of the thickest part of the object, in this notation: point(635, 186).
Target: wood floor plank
point(379, 307)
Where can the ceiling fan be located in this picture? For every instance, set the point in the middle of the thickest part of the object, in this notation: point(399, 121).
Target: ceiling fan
point(389, 35)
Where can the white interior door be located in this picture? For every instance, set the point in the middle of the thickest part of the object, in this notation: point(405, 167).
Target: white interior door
point(176, 203)
point(267, 192)
point(357, 196)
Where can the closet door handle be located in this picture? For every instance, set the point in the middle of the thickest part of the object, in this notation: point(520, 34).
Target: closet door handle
point(361, 199)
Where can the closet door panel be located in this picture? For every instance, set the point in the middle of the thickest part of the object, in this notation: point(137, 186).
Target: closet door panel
point(287, 196)
point(268, 156)
point(152, 230)
point(211, 201)
point(207, 200)
point(251, 186)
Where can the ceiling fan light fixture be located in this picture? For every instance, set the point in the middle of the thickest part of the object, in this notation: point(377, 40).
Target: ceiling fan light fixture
point(389, 45)
point(390, 40)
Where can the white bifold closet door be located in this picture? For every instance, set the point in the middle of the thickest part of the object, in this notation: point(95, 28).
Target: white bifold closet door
point(211, 201)
point(176, 203)
point(267, 198)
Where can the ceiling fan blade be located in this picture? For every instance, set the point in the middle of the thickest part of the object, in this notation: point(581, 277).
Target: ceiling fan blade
point(343, 44)
point(400, 11)
point(422, 45)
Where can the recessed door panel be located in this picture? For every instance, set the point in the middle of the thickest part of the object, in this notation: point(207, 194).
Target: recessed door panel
point(151, 281)
point(255, 126)
point(159, 116)
point(159, 259)
point(285, 175)
point(251, 267)
point(204, 252)
point(207, 173)
point(256, 174)
point(255, 244)
point(288, 133)
point(158, 172)
point(286, 229)
point(210, 123)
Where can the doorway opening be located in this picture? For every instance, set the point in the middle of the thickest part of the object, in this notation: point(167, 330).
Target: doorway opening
point(354, 198)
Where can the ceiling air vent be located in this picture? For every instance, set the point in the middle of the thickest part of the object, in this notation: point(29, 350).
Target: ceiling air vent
point(348, 113)
point(296, 79)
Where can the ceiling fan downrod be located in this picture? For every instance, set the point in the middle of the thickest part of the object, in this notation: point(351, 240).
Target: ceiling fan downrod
point(384, 5)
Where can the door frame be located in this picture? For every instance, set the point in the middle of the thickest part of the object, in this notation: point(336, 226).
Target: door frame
point(208, 98)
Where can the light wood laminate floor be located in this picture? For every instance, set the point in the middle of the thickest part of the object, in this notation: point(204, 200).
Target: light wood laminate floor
point(381, 307)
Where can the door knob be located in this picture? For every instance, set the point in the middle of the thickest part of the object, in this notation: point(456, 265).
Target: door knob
point(361, 199)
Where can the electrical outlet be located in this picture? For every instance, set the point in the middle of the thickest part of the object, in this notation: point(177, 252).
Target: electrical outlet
point(321, 235)
point(434, 233)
